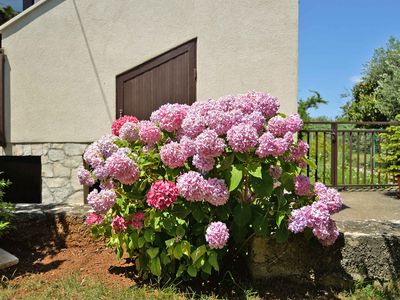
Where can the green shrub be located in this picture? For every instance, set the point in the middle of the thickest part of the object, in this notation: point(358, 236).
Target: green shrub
point(389, 157)
point(6, 209)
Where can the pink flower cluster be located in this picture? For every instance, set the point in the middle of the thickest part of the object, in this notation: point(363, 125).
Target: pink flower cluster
point(137, 220)
point(162, 194)
point(93, 219)
point(217, 235)
point(122, 168)
point(279, 126)
point(116, 126)
point(129, 131)
point(317, 216)
point(194, 187)
point(270, 145)
point(101, 201)
point(302, 185)
point(85, 177)
point(169, 116)
point(118, 224)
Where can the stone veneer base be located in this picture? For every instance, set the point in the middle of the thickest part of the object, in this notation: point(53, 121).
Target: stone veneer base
point(60, 162)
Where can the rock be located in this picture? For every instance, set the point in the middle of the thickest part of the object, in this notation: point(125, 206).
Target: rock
point(60, 171)
point(73, 161)
point(47, 170)
point(37, 149)
point(27, 150)
point(74, 149)
point(17, 150)
point(56, 182)
point(56, 155)
point(76, 198)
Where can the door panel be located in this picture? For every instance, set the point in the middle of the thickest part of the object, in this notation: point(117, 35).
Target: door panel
point(168, 78)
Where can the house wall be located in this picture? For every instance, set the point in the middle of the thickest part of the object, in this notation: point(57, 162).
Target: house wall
point(63, 57)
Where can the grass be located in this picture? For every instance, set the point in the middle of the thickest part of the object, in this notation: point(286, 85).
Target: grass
point(75, 287)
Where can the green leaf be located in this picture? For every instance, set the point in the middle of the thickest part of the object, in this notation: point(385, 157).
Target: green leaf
point(310, 163)
point(198, 214)
point(206, 268)
point(199, 252)
point(213, 260)
point(242, 214)
point(141, 242)
point(180, 211)
point(149, 235)
point(155, 266)
point(180, 271)
point(178, 251)
point(255, 170)
point(222, 212)
point(170, 242)
point(227, 162)
point(165, 260)
point(152, 252)
point(279, 217)
point(282, 234)
point(180, 231)
point(192, 271)
point(185, 245)
point(235, 177)
point(263, 186)
point(260, 226)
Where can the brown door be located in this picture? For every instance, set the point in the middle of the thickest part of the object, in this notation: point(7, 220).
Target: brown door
point(168, 78)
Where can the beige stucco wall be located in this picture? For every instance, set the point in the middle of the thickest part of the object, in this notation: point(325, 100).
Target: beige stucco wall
point(63, 57)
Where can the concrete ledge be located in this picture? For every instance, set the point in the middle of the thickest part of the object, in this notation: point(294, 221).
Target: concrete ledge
point(365, 250)
point(7, 259)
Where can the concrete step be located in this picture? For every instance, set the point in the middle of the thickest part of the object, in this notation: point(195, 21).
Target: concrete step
point(7, 259)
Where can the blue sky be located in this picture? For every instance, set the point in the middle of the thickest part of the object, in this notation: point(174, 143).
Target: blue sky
point(336, 38)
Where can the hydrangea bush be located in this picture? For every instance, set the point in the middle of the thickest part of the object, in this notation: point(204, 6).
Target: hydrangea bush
point(180, 191)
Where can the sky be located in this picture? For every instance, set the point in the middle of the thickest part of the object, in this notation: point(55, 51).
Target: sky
point(336, 38)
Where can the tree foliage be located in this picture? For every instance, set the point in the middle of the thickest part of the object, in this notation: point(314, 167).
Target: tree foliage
point(311, 102)
point(7, 13)
point(377, 96)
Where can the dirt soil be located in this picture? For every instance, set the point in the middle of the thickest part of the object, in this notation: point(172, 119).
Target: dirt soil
point(56, 246)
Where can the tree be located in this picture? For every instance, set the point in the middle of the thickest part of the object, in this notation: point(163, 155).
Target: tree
point(311, 102)
point(6, 13)
point(377, 96)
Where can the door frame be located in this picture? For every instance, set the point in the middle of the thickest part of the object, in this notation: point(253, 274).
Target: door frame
point(189, 46)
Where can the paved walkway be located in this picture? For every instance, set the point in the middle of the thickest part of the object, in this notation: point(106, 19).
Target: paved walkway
point(369, 205)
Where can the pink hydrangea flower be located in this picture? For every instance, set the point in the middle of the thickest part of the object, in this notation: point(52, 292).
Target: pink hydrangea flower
point(221, 121)
point(170, 116)
point(255, 119)
point(172, 155)
point(85, 177)
point(299, 151)
point(203, 163)
point(329, 196)
point(137, 220)
point(149, 132)
point(129, 131)
point(93, 155)
point(193, 125)
point(101, 172)
point(301, 185)
point(277, 126)
point(216, 192)
point(269, 145)
point(263, 102)
point(209, 144)
point(101, 201)
point(293, 123)
point(242, 137)
point(191, 186)
point(217, 235)
point(93, 219)
point(118, 224)
point(106, 145)
point(122, 168)
point(116, 126)
point(162, 194)
point(188, 146)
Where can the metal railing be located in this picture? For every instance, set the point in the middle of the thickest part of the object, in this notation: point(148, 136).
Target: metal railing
point(346, 153)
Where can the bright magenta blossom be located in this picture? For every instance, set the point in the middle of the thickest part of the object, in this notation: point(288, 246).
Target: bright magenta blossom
point(116, 126)
point(162, 194)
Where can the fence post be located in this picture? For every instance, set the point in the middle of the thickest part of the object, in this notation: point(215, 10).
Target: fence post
point(334, 154)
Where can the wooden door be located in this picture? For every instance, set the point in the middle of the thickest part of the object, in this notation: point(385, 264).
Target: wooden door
point(168, 78)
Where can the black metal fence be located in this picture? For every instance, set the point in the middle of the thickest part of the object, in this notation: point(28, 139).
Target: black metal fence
point(346, 153)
